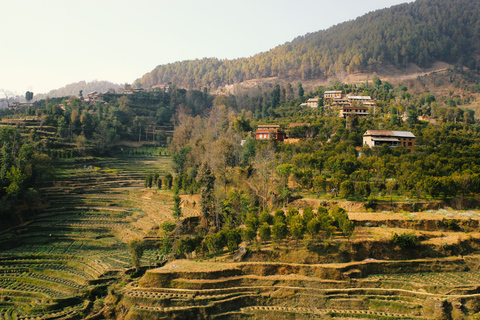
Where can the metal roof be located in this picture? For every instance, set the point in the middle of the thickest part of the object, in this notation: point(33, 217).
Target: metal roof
point(403, 134)
point(359, 97)
point(388, 133)
point(386, 139)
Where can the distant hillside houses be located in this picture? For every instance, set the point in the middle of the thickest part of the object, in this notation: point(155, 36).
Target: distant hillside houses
point(129, 90)
point(160, 87)
point(312, 103)
point(349, 104)
point(17, 105)
point(278, 133)
point(94, 97)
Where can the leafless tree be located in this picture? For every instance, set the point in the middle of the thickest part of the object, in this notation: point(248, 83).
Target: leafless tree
point(8, 95)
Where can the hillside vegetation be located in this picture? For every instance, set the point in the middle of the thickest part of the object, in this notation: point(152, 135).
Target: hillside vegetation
point(421, 33)
point(246, 228)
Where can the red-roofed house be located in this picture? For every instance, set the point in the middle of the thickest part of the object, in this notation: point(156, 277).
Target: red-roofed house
point(270, 131)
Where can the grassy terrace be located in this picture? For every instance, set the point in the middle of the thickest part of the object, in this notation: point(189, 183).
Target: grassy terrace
point(57, 264)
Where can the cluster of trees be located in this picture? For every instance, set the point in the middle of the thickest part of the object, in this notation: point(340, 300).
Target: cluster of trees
point(328, 162)
point(154, 180)
point(97, 127)
point(420, 32)
point(22, 167)
point(215, 156)
point(264, 227)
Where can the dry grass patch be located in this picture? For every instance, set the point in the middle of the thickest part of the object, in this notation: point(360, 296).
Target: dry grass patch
point(425, 215)
point(194, 266)
point(385, 233)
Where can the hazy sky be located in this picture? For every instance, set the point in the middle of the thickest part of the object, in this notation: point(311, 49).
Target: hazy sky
point(46, 44)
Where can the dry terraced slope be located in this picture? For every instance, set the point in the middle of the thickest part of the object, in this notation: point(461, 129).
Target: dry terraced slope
point(188, 289)
point(62, 263)
point(396, 284)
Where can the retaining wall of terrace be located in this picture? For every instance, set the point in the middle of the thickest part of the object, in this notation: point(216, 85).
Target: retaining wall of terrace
point(164, 277)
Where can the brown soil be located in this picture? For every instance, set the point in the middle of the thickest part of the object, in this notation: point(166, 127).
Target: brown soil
point(385, 73)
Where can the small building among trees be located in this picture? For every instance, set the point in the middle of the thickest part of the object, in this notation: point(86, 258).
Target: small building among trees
point(270, 131)
point(332, 95)
point(313, 103)
point(358, 110)
point(393, 139)
point(349, 105)
point(94, 97)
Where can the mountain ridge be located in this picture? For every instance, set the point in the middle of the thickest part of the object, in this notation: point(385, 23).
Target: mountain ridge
point(422, 33)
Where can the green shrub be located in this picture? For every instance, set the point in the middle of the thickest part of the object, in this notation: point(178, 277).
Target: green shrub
point(136, 248)
point(264, 232)
point(313, 227)
point(405, 240)
point(279, 215)
point(292, 212)
point(279, 229)
point(252, 221)
point(297, 228)
point(234, 238)
point(347, 189)
point(249, 234)
point(266, 217)
point(450, 224)
point(308, 215)
point(168, 226)
point(214, 242)
point(371, 204)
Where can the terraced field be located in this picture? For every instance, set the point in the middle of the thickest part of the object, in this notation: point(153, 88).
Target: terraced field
point(55, 266)
point(186, 289)
point(72, 262)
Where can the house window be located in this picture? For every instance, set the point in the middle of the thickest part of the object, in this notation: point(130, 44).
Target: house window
point(409, 144)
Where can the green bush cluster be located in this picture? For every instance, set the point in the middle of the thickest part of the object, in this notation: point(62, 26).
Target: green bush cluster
point(405, 240)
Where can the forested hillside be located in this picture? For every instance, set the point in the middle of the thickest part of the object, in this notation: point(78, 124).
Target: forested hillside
point(328, 160)
point(70, 126)
point(421, 32)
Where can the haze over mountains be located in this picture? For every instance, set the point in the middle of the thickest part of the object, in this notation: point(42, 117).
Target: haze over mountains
point(73, 89)
point(422, 33)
